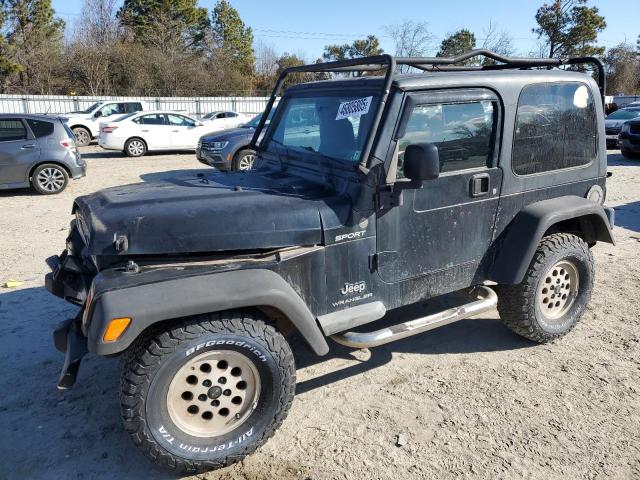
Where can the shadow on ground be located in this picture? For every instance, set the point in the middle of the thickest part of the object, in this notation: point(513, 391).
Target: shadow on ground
point(77, 433)
point(628, 216)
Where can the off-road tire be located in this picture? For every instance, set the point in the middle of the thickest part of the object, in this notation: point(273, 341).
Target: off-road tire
point(154, 359)
point(242, 159)
point(139, 150)
point(49, 179)
point(630, 155)
point(83, 136)
point(518, 304)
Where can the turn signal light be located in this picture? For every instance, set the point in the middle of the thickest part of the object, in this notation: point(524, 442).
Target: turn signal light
point(115, 329)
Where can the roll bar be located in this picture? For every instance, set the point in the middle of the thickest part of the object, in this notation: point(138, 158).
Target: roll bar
point(428, 64)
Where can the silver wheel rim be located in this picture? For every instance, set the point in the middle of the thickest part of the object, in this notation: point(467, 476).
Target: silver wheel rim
point(50, 179)
point(558, 290)
point(246, 161)
point(213, 393)
point(82, 136)
point(136, 148)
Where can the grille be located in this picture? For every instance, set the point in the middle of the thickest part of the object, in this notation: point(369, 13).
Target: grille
point(612, 130)
point(635, 128)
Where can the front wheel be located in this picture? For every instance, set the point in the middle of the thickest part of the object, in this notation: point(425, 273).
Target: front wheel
point(554, 293)
point(244, 160)
point(208, 391)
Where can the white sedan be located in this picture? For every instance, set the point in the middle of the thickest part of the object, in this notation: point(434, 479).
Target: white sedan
point(138, 133)
point(224, 120)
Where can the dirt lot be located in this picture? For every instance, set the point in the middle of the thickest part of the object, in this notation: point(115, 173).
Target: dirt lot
point(470, 399)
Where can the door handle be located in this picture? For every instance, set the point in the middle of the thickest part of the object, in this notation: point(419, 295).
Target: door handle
point(28, 145)
point(175, 131)
point(479, 184)
point(145, 130)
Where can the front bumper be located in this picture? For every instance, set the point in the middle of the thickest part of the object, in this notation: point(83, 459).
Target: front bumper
point(217, 159)
point(68, 338)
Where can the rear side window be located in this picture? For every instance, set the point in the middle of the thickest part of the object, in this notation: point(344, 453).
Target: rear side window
point(463, 133)
point(133, 107)
point(12, 129)
point(40, 128)
point(555, 128)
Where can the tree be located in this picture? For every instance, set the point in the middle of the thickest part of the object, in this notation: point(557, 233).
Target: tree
point(499, 42)
point(367, 47)
point(458, 43)
point(7, 66)
point(411, 39)
point(233, 40)
point(35, 38)
point(166, 24)
point(570, 28)
point(623, 69)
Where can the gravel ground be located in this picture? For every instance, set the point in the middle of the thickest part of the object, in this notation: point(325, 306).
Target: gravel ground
point(467, 400)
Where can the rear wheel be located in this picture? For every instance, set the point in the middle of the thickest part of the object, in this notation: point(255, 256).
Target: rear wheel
point(552, 297)
point(83, 137)
point(205, 393)
point(49, 178)
point(244, 160)
point(135, 147)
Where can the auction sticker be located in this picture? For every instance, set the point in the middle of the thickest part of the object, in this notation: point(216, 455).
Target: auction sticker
point(354, 108)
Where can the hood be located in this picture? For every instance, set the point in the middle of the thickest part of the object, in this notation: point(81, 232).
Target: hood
point(221, 212)
point(229, 134)
point(614, 123)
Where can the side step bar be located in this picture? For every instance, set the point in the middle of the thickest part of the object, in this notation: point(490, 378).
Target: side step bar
point(483, 299)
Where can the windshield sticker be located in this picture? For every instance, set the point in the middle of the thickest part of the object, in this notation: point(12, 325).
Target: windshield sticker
point(354, 108)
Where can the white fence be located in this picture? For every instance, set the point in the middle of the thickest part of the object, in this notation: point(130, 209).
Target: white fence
point(194, 105)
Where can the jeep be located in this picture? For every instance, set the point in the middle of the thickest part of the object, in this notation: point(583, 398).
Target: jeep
point(373, 190)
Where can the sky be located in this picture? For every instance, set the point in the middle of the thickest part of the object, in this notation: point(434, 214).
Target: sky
point(305, 27)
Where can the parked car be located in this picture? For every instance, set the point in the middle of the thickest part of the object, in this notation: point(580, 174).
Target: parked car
point(613, 123)
point(372, 194)
point(38, 151)
point(229, 149)
point(224, 120)
point(85, 124)
point(630, 139)
point(138, 133)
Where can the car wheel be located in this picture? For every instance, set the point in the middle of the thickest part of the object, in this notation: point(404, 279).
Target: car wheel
point(244, 160)
point(83, 137)
point(208, 391)
point(49, 178)
point(629, 155)
point(554, 293)
point(135, 147)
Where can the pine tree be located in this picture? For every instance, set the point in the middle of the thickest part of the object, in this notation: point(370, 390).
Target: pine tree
point(232, 38)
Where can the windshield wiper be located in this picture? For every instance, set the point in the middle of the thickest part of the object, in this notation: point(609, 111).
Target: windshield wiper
point(324, 163)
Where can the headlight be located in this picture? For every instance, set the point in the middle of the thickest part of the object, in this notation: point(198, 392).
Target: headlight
point(218, 145)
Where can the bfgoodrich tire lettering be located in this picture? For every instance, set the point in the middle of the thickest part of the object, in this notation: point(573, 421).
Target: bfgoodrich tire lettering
point(156, 357)
point(521, 306)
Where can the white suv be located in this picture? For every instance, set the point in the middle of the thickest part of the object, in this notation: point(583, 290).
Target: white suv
point(86, 124)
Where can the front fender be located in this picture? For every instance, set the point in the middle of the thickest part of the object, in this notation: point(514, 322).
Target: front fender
point(153, 302)
point(520, 241)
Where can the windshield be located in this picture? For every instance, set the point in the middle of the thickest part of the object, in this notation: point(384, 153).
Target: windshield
point(253, 123)
point(91, 108)
point(332, 124)
point(624, 114)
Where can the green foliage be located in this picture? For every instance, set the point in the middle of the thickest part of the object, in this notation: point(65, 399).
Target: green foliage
point(457, 43)
point(7, 66)
point(570, 28)
point(359, 48)
point(166, 24)
point(233, 39)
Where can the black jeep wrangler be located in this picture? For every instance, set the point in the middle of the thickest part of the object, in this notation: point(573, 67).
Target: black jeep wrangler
point(373, 190)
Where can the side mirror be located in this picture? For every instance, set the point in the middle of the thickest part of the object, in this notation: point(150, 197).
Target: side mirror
point(421, 162)
point(97, 114)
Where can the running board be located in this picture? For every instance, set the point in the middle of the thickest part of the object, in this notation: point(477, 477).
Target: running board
point(483, 299)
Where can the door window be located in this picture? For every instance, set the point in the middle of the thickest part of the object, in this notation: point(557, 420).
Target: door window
point(180, 121)
point(40, 128)
point(112, 109)
point(12, 129)
point(463, 133)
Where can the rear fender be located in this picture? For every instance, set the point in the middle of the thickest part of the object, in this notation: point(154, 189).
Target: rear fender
point(570, 213)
